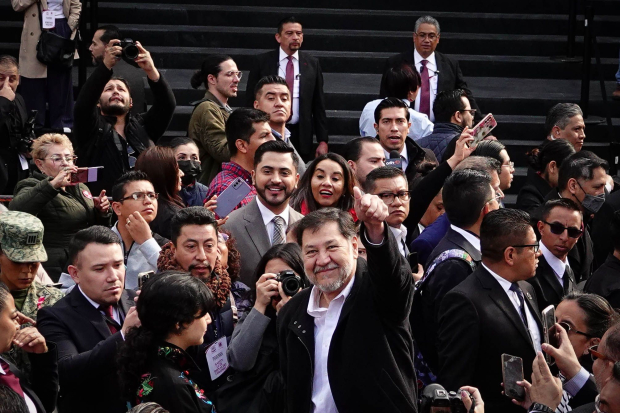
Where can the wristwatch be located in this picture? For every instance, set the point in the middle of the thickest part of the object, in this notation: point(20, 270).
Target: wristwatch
point(540, 408)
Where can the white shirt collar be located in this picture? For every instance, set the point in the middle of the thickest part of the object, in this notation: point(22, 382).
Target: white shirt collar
point(502, 281)
point(403, 153)
point(399, 233)
point(472, 239)
point(2, 370)
point(284, 56)
point(417, 59)
point(558, 266)
point(314, 305)
point(94, 304)
point(268, 215)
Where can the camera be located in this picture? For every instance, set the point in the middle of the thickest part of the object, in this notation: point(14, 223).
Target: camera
point(291, 282)
point(22, 135)
point(143, 277)
point(130, 50)
point(436, 399)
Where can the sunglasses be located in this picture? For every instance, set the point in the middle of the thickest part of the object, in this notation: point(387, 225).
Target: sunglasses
point(596, 355)
point(558, 229)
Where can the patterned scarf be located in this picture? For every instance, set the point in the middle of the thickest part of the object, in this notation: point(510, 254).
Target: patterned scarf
point(218, 282)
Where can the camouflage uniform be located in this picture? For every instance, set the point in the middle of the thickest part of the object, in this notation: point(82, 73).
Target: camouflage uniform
point(21, 239)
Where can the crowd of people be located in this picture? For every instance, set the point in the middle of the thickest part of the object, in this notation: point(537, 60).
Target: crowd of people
point(244, 269)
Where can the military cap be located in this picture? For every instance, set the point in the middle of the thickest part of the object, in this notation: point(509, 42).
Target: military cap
point(21, 237)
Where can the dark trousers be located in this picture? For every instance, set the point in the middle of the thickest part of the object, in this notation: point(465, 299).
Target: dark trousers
point(294, 129)
point(54, 93)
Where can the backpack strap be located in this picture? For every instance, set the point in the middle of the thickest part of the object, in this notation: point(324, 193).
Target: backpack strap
point(444, 256)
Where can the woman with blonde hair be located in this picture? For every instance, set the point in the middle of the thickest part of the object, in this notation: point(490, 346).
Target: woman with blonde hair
point(63, 207)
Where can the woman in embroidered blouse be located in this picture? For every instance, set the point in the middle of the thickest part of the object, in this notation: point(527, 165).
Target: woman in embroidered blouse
point(153, 365)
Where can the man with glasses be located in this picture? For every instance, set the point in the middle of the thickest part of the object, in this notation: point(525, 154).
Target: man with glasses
point(492, 312)
point(437, 71)
point(105, 132)
point(135, 205)
point(560, 228)
point(304, 77)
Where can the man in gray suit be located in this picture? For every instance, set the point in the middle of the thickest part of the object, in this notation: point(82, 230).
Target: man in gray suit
point(263, 221)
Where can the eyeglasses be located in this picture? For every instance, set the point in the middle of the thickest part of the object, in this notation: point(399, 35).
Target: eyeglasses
point(558, 229)
point(130, 158)
point(536, 246)
point(568, 328)
point(498, 198)
point(139, 196)
point(596, 355)
point(430, 36)
point(58, 158)
point(471, 111)
point(388, 197)
point(233, 73)
point(511, 165)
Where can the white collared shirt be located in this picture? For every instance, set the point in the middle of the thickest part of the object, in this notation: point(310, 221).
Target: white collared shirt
point(29, 403)
point(433, 78)
point(268, 217)
point(472, 239)
point(115, 315)
point(403, 154)
point(557, 265)
point(282, 62)
point(421, 227)
point(400, 234)
point(420, 124)
point(514, 298)
point(325, 322)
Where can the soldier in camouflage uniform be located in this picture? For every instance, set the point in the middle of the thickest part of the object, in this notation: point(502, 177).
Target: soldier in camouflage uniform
point(21, 252)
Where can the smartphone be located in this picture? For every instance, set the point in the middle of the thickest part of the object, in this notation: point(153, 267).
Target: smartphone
point(231, 196)
point(512, 372)
point(84, 175)
point(550, 333)
point(144, 277)
point(413, 261)
point(483, 129)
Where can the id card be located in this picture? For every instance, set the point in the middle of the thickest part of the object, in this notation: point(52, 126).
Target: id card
point(216, 358)
point(48, 19)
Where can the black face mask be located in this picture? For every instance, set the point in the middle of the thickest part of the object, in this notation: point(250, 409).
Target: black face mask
point(191, 169)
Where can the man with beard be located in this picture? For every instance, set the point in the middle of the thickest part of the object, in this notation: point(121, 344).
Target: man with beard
point(124, 69)
point(263, 222)
point(105, 133)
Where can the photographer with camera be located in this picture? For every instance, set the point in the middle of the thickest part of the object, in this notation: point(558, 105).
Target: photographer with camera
point(106, 133)
point(15, 134)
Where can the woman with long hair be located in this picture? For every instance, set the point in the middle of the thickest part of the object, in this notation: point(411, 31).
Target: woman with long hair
point(161, 166)
point(153, 365)
point(328, 182)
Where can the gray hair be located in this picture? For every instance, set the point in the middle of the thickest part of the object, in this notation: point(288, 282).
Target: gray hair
point(480, 163)
point(427, 20)
point(560, 115)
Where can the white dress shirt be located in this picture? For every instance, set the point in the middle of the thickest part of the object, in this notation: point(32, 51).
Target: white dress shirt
point(401, 235)
point(325, 322)
point(471, 238)
point(29, 403)
point(268, 216)
point(282, 62)
point(433, 78)
point(420, 124)
point(115, 315)
point(403, 154)
point(514, 298)
point(557, 265)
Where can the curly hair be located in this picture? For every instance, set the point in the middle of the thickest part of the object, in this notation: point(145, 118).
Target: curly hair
point(168, 303)
point(234, 257)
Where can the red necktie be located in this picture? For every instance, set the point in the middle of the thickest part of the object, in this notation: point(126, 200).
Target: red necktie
point(109, 318)
point(425, 98)
point(290, 79)
point(9, 379)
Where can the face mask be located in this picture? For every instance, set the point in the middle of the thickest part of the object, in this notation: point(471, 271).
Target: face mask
point(191, 169)
point(593, 203)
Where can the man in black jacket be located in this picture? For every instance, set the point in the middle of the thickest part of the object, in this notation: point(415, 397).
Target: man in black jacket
point(606, 279)
point(90, 322)
point(438, 71)
point(106, 134)
point(349, 333)
point(305, 79)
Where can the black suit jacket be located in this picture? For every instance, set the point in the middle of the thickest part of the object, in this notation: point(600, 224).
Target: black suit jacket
point(445, 276)
point(601, 230)
point(312, 116)
point(477, 324)
point(370, 362)
point(86, 353)
point(43, 387)
point(545, 283)
point(450, 76)
point(606, 281)
point(532, 194)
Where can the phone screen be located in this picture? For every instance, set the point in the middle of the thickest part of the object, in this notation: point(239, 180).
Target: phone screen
point(512, 370)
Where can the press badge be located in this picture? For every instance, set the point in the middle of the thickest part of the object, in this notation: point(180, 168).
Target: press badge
point(48, 19)
point(216, 358)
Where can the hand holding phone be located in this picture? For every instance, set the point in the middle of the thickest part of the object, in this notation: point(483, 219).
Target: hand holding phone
point(512, 372)
point(550, 334)
point(231, 196)
point(483, 129)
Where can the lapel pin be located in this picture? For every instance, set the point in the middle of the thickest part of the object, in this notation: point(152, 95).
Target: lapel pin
point(529, 297)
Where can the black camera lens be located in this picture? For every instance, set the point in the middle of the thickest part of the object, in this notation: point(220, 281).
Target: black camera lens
point(131, 51)
point(291, 283)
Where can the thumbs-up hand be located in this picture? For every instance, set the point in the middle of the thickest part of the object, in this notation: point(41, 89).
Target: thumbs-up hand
point(102, 203)
point(371, 210)
point(6, 91)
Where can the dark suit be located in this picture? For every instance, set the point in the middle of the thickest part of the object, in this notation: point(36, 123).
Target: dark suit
point(445, 276)
point(450, 76)
point(312, 118)
point(601, 230)
point(546, 285)
point(86, 353)
point(477, 324)
point(370, 363)
point(606, 281)
point(43, 387)
point(247, 226)
point(532, 194)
